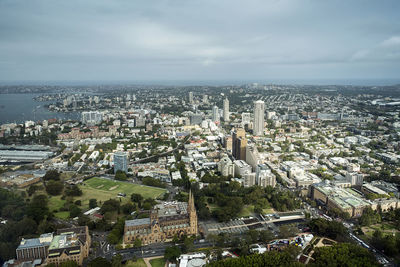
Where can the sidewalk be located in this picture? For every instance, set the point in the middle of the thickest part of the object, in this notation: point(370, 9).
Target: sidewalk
point(147, 260)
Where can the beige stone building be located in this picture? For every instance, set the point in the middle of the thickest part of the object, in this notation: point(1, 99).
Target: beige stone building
point(69, 244)
point(166, 220)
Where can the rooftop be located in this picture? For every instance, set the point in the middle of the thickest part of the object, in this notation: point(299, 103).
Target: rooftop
point(137, 222)
point(63, 241)
point(171, 208)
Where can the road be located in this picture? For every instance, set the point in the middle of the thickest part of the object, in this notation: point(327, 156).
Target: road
point(151, 250)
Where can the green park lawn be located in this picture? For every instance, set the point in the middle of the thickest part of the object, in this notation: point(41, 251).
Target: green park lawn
point(386, 228)
point(62, 215)
point(104, 189)
point(268, 211)
point(138, 263)
point(246, 211)
point(55, 202)
point(160, 262)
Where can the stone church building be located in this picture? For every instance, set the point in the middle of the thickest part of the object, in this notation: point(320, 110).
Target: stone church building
point(166, 220)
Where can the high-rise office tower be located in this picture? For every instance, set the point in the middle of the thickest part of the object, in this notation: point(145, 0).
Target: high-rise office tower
point(205, 99)
point(239, 143)
point(91, 117)
point(258, 128)
point(191, 97)
point(226, 110)
point(245, 118)
point(120, 162)
point(215, 114)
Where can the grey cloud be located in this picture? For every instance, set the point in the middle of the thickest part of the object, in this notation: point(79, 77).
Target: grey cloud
point(176, 39)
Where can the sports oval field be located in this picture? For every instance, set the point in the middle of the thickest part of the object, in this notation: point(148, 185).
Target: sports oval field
point(104, 189)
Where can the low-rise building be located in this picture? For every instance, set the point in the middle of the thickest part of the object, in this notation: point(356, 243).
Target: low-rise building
point(344, 199)
point(226, 167)
point(166, 220)
point(70, 244)
point(241, 167)
point(34, 248)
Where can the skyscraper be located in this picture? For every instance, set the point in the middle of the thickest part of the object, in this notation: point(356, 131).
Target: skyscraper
point(245, 118)
point(239, 143)
point(191, 97)
point(91, 117)
point(258, 128)
point(215, 114)
point(120, 162)
point(205, 99)
point(226, 110)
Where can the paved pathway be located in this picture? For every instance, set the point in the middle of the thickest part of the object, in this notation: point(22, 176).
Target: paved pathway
point(147, 260)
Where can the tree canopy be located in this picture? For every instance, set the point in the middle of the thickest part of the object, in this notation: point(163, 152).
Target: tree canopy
point(343, 254)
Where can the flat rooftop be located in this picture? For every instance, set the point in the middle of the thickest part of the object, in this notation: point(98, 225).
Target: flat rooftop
point(137, 222)
point(64, 241)
point(171, 208)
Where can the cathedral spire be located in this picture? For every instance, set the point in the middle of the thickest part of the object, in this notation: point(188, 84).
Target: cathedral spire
point(191, 202)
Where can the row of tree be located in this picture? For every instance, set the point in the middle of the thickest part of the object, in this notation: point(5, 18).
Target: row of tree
point(340, 254)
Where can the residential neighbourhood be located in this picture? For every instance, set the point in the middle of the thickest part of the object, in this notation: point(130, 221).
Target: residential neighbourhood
point(159, 172)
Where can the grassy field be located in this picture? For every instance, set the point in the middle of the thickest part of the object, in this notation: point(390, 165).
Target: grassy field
point(385, 227)
point(104, 189)
point(246, 211)
point(62, 215)
point(212, 207)
point(157, 262)
point(268, 211)
point(138, 263)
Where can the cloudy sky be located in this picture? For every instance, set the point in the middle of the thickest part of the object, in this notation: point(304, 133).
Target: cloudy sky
point(199, 40)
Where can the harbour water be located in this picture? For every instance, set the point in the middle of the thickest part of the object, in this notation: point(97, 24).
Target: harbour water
point(21, 107)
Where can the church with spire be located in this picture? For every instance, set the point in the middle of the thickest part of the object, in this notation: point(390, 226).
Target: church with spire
point(165, 221)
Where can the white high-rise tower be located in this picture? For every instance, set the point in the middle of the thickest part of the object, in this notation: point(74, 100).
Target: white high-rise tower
point(215, 114)
point(226, 110)
point(191, 97)
point(259, 107)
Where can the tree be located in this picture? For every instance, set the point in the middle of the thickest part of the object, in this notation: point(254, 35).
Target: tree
point(38, 208)
point(75, 211)
point(268, 259)
point(137, 243)
point(54, 187)
point(110, 205)
point(187, 244)
point(69, 263)
point(92, 203)
point(73, 191)
point(32, 189)
point(343, 254)
point(51, 175)
point(83, 220)
point(153, 182)
point(172, 253)
point(117, 232)
point(127, 208)
point(137, 198)
point(286, 231)
point(331, 229)
point(116, 261)
point(369, 217)
point(266, 235)
point(99, 262)
point(386, 243)
point(120, 176)
point(253, 235)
